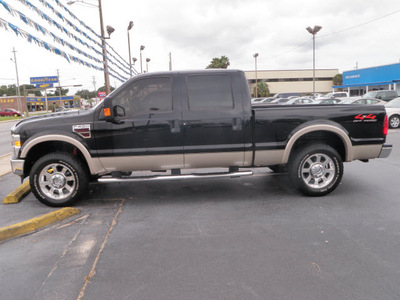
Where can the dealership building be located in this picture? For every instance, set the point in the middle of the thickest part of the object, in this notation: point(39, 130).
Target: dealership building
point(359, 81)
point(293, 81)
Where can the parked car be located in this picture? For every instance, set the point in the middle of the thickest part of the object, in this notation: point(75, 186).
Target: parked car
point(61, 109)
point(299, 100)
point(279, 101)
point(327, 101)
point(368, 101)
point(286, 95)
point(393, 112)
point(385, 95)
point(10, 112)
point(335, 95)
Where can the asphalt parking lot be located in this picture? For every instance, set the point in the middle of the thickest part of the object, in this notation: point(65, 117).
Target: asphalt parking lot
point(247, 238)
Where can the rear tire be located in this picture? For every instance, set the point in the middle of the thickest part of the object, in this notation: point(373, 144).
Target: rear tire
point(58, 179)
point(315, 170)
point(394, 121)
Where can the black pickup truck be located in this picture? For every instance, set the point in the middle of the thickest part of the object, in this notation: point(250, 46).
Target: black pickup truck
point(177, 122)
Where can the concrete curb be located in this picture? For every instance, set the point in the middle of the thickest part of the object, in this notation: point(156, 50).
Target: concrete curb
point(19, 193)
point(37, 223)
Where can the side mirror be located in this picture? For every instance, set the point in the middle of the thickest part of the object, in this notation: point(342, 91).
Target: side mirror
point(111, 113)
point(119, 111)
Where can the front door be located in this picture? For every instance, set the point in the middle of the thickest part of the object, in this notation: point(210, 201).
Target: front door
point(148, 137)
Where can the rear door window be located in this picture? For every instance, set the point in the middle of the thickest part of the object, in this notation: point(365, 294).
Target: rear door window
point(207, 92)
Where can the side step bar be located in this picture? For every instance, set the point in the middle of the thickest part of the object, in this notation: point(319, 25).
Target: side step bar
point(175, 177)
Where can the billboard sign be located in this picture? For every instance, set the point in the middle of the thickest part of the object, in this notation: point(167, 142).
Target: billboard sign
point(44, 80)
point(101, 95)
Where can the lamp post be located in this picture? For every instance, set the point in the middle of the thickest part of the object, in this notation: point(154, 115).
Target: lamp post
point(147, 65)
point(314, 31)
point(255, 63)
point(141, 66)
point(103, 42)
point(129, 46)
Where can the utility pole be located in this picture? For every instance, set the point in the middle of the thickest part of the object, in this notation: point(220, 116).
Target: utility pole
point(94, 85)
point(18, 90)
point(59, 87)
point(170, 61)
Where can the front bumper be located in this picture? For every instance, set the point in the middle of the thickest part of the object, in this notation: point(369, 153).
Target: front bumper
point(386, 150)
point(17, 166)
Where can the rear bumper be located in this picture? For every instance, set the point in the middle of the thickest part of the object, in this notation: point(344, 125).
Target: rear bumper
point(386, 150)
point(17, 166)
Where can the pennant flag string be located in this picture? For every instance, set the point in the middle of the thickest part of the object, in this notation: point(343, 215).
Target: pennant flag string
point(63, 29)
point(19, 32)
point(44, 31)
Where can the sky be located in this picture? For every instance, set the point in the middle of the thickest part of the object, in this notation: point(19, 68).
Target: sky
point(354, 33)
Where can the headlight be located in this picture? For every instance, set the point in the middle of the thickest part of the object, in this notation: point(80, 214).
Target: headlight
point(16, 144)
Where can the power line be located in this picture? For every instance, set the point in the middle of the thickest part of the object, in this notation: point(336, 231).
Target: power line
point(359, 25)
point(333, 33)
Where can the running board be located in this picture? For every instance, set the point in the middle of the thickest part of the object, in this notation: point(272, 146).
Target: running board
point(175, 177)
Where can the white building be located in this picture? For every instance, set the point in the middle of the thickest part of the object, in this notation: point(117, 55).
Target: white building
point(293, 81)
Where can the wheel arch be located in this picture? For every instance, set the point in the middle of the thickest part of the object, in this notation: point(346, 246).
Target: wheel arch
point(42, 145)
point(326, 133)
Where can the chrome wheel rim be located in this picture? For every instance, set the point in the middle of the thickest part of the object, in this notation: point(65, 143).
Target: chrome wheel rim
point(318, 171)
point(57, 181)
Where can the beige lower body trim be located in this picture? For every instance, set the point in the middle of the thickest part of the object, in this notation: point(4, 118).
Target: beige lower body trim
point(365, 152)
point(269, 157)
point(142, 163)
point(219, 160)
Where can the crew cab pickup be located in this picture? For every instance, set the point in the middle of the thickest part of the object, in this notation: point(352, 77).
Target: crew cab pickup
point(178, 122)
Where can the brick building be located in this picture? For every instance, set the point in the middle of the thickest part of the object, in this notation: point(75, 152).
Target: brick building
point(12, 102)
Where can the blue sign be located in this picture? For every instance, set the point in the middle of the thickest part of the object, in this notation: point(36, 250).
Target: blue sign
point(55, 98)
point(44, 80)
point(375, 75)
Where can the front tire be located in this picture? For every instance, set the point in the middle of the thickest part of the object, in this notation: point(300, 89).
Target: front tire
point(315, 170)
point(58, 179)
point(394, 121)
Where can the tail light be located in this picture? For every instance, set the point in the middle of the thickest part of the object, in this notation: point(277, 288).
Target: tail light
point(385, 125)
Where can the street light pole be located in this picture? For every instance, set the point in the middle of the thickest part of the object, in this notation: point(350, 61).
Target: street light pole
point(141, 65)
point(255, 63)
point(18, 90)
point(147, 65)
point(129, 46)
point(314, 31)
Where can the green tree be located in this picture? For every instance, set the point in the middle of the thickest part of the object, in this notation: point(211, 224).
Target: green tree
point(103, 89)
point(219, 63)
point(338, 79)
point(64, 92)
point(262, 90)
point(86, 94)
point(11, 90)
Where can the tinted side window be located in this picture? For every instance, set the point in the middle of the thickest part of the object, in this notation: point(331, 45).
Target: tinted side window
point(209, 92)
point(146, 95)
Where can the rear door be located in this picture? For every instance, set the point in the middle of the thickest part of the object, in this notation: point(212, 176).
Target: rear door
point(213, 121)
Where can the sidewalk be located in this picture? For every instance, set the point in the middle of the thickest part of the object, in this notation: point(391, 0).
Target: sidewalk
point(5, 166)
